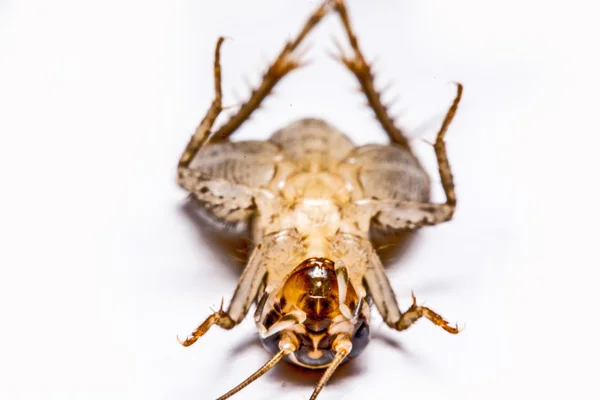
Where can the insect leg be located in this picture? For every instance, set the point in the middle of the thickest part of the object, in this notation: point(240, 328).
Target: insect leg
point(362, 70)
point(202, 132)
point(414, 214)
point(380, 290)
point(416, 312)
point(245, 293)
point(440, 151)
point(283, 64)
point(385, 300)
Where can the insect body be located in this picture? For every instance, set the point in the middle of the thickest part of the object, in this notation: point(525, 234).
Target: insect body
point(311, 197)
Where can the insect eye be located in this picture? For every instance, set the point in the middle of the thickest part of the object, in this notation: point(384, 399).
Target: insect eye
point(271, 343)
point(360, 339)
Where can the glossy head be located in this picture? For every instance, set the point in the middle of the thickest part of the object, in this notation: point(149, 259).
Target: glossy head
point(316, 303)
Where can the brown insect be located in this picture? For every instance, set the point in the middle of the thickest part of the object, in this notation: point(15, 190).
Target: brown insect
point(311, 197)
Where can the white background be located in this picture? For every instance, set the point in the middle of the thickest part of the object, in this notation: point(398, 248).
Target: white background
point(101, 267)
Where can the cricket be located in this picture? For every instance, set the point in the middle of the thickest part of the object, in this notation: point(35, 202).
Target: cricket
point(309, 197)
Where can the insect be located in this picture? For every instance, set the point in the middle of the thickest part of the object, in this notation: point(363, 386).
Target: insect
point(310, 197)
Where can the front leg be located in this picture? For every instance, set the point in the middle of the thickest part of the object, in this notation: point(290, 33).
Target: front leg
point(384, 298)
point(245, 293)
point(275, 249)
point(221, 318)
point(415, 312)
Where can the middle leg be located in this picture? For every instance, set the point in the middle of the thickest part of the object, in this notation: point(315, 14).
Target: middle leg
point(404, 214)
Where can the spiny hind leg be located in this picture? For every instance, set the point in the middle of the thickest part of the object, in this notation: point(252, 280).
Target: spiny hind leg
point(362, 70)
point(388, 212)
point(385, 300)
point(231, 200)
point(283, 64)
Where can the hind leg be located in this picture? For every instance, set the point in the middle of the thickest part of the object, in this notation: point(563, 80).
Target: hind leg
point(362, 70)
point(206, 171)
point(283, 64)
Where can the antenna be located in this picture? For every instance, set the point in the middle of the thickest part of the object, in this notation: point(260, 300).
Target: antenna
point(287, 344)
point(343, 346)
